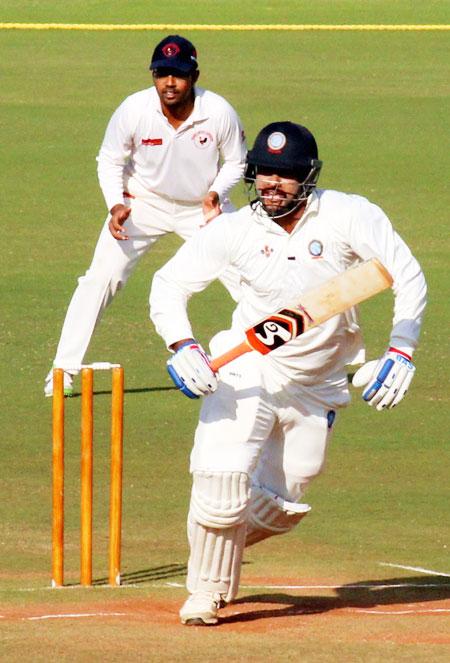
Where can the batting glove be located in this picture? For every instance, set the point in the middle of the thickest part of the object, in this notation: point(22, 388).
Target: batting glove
point(191, 371)
point(385, 380)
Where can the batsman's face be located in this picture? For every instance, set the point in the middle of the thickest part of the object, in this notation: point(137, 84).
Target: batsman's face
point(173, 87)
point(277, 192)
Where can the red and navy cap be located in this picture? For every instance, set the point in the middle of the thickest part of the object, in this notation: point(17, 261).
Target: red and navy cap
point(175, 52)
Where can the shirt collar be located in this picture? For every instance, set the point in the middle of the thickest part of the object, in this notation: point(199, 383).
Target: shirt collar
point(199, 112)
point(312, 207)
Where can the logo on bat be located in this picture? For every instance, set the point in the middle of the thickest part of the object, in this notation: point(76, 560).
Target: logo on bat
point(276, 330)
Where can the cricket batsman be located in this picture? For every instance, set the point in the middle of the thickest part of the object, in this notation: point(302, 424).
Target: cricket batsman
point(267, 420)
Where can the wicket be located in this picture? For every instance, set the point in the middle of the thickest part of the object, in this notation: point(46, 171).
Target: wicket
point(115, 498)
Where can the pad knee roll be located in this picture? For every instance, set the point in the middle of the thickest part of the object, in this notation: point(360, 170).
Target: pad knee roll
point(270, 515)
point(220, 499)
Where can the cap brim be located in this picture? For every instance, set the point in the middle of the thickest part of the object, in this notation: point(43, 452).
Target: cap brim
point(184, 67)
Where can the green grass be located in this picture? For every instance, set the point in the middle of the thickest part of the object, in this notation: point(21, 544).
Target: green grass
point(225, 11)
point(378, 104)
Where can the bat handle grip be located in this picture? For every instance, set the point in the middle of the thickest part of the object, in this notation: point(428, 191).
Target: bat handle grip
point(228, 356)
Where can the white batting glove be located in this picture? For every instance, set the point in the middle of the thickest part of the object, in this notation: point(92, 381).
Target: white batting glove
point(191, 371)
point(385, 380)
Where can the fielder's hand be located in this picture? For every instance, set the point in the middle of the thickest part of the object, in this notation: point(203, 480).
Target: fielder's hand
point(211, 206)
point(119, 214)
point(191, 371)
point(385, 380)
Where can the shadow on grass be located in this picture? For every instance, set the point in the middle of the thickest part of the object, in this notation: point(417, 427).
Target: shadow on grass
point(137, 390)
point(362, 595)
point(148, 575)
point(148, 390)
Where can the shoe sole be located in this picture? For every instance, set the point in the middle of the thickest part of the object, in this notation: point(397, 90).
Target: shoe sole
point(199, 621)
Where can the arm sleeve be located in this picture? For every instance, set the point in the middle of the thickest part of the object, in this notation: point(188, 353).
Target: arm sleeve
point(233, 151)
point(198, 262)
point(373, 236)
point(114, 155)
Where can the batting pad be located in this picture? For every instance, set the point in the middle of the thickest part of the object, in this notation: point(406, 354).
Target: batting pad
point(220, 499)
point(270, 515)
point(216, 528)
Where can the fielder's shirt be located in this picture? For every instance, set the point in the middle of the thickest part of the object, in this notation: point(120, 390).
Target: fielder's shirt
point(141, 150)
point(336, 231)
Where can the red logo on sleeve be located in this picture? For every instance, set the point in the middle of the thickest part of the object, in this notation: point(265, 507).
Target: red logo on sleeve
point(152, 141)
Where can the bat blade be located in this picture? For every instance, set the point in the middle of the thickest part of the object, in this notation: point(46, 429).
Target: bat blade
point(333, 297)
point(276, 330)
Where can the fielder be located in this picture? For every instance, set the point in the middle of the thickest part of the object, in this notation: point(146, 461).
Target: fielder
point(267, 420)
point(169, 158)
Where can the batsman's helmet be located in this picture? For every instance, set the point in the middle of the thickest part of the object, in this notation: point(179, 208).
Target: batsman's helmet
point(286, 149)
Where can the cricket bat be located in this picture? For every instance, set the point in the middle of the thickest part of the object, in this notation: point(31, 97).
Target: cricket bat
point(333, 297)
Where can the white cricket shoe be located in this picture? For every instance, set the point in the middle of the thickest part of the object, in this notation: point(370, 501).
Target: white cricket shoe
point(200, 609)
point(48, 386)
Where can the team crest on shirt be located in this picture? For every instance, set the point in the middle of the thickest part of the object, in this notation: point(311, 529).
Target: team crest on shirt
point(266, 251)
point(316, 248)
point(202, 139)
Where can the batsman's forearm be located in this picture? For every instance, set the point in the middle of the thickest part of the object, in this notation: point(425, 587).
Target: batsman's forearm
point(177, 345)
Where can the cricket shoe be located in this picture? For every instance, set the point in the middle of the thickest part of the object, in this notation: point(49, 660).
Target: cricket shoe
point(68, 387)
point(201, 609)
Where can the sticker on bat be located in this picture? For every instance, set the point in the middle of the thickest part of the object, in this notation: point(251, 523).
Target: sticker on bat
point(275, 330)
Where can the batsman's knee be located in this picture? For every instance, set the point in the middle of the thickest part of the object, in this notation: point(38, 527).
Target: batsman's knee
point(220, 499)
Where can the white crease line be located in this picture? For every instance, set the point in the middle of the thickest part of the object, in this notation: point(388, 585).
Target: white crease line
point(350, 586)
point(419, 569)
point(76, 615)
point(124, 614)
point(72, 587)
point(143, 586)
point(400, 612)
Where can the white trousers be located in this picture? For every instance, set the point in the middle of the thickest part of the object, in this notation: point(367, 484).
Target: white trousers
point(151, 217)
point(261, 424)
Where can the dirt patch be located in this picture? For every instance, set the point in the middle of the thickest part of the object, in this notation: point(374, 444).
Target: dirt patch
point(378, 612)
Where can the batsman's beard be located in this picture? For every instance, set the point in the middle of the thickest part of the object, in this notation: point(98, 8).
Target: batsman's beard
point(278, 203)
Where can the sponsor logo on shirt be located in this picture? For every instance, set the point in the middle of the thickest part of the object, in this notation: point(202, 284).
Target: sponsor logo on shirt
point(316, 248)
point(151, 141)
point(202, 139)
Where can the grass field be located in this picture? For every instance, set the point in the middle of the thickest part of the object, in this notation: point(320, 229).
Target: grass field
point(367, 576)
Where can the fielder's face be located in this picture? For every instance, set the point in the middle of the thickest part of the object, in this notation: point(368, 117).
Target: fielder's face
point(174, 88)
point(277, 192)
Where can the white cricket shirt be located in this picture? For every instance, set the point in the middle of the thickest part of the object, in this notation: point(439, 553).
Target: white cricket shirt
point(336, 231)
point(140, 146)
